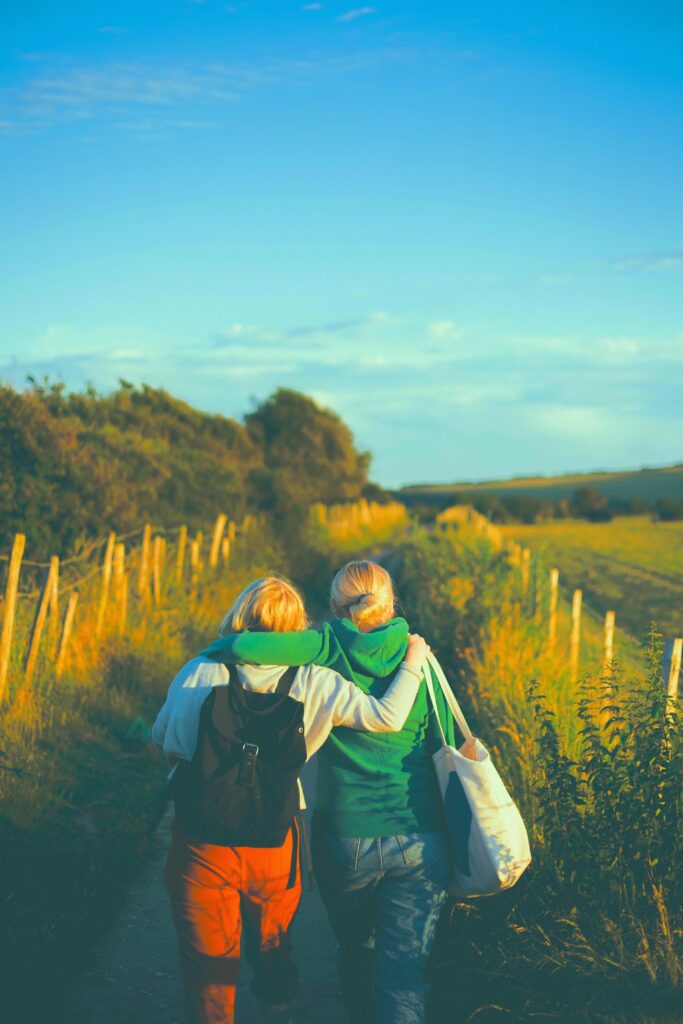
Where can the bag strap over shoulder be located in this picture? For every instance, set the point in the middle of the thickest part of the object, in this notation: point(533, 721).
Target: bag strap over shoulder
point(286, 680)
point(284, 685)
point(429, 664)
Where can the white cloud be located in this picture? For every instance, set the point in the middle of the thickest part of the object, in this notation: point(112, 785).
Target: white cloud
point(66, 92)
point(571, 422)
point(619, 349)
point(444, 329)
point(670, 262)
point(358, 12)
point(489, 405)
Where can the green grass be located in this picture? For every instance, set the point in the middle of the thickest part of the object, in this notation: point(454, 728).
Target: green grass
point(632, 565)
point(589, 935)
point(649, 484)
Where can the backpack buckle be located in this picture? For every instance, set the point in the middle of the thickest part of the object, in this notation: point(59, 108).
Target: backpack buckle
point(247, 771)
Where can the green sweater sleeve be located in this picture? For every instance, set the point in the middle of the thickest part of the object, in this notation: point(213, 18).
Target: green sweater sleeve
point(252, 648)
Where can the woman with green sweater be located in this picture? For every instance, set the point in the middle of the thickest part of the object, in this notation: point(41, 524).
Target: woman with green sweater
point(380, 847)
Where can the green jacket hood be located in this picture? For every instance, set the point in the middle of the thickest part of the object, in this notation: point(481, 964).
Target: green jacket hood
point(376, 653)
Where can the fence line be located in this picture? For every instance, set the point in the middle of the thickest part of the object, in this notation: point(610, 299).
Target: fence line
point(99, 598)
point(155, 573)
point(520, 559)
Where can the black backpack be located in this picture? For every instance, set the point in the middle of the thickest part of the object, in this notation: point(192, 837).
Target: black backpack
point(241, 786)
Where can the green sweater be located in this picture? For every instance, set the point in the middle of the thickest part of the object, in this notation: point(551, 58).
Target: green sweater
point(369, 784)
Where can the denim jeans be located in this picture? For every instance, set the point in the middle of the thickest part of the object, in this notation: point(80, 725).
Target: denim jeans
point(383, 897)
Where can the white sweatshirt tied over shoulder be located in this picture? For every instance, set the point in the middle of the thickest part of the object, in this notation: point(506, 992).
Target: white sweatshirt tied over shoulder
point(328, 699)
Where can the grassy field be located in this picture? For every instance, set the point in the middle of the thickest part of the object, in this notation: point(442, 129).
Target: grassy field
point(633, 565)
point(649, 484)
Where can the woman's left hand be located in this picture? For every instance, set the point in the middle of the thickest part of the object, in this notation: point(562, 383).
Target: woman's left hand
point(418, 649)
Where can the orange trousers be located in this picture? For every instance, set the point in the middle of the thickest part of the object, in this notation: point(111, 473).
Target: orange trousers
point(214, 891)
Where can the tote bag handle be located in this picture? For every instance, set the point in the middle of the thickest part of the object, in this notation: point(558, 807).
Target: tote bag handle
point(456, 710)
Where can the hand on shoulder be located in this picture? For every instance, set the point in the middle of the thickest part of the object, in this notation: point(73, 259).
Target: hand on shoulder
point(417, 650)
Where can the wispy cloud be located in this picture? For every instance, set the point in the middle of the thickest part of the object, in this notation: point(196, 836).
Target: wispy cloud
point(409, 393)
point(444, 330)
point(66, 93)
point(358, 12)
point(667, 262)
point(312, 7)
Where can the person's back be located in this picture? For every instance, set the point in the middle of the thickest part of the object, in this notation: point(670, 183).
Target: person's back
point(237, 740)
point(379, 784)
point(380, 849)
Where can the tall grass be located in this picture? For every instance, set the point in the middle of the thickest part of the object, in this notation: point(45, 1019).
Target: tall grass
point(79, 782)
point(595, 764)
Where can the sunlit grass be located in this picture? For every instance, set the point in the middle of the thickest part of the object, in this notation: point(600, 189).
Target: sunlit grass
point(633, 565)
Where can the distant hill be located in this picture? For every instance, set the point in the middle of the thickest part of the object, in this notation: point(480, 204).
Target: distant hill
point(648, 485)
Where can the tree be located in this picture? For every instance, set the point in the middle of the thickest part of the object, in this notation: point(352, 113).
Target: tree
point(669, 509)
point(589, 503)
point(308, 455)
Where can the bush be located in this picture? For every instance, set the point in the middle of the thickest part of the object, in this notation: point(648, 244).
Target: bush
point(668, 509)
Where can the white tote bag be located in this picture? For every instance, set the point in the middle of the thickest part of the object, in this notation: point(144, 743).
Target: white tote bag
point(490, 846)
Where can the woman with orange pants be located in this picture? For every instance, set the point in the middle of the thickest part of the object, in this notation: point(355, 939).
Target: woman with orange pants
point(238, 738)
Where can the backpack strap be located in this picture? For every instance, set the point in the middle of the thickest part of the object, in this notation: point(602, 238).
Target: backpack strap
point(295, 855)
point(286, 680)
point(284, 685)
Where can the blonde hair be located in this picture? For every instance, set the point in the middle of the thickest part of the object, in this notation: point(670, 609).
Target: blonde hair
point(363, 592)
point(268, 605)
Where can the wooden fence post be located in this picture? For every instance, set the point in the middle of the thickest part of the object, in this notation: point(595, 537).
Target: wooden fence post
point(106, 579)
point(66, 632)
point(180, 564)
point(9, 608)
point(38, 623)
point(194, 562)
point(219, 526)
point(119, 567)
point(576, 633)
point(609, 640)
point(156, 570)
point(675, 668)
point(122, 602)
point(143, 574)
point(552, 614)
point(54, 605)
point(120, 587)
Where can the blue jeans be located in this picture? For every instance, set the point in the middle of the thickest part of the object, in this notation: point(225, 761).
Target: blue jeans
point(383, 897)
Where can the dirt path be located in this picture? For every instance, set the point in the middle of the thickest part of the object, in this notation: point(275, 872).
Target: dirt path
point(136, 980)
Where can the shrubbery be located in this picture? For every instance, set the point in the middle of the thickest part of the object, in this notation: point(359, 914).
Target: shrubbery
point(76, 465)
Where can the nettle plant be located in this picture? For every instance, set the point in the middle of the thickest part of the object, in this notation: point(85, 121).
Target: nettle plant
point(608, 823)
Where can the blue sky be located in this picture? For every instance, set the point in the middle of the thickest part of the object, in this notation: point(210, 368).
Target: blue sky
point(458, 224)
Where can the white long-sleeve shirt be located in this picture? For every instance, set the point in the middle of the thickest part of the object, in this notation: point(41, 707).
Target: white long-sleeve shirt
point(328, 699)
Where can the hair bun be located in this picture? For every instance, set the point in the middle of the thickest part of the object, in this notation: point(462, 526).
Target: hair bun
point(364, 591)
